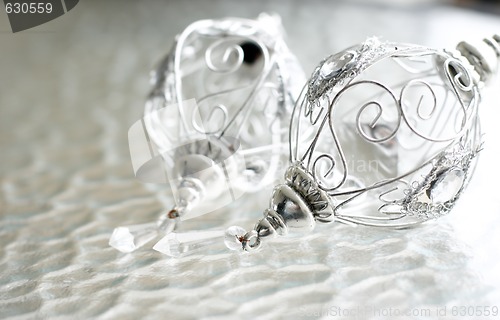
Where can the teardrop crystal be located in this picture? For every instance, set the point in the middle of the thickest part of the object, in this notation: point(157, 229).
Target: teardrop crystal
point(180, 244)
point(130, 238)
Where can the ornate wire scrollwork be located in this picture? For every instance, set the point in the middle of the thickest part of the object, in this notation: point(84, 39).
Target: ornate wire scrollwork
point(237, 71)
point(433, 113)
point(390, 93)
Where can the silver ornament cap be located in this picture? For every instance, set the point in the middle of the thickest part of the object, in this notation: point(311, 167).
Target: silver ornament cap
point(293, 209)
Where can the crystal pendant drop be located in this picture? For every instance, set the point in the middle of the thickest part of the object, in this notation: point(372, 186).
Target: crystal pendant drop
point(129, 238)
point(180, 244)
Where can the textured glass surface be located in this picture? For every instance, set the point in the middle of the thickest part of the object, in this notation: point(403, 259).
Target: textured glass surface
point(70, 89)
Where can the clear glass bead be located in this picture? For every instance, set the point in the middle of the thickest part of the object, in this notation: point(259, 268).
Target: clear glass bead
point(232, 238)
point(166, 224)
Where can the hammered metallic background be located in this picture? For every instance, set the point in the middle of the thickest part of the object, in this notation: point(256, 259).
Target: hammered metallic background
point(70, 89)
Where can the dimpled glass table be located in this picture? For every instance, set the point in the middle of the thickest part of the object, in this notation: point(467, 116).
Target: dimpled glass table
point(70, 89)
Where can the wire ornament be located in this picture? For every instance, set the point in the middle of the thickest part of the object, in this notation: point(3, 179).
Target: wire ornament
point(410, 109)
point(231, 139)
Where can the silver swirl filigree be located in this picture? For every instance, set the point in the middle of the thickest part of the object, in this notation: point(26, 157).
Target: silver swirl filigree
point(435, 102)
point(413, 109)
point(226, 65)
point(238, 96)
point(411, 188)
